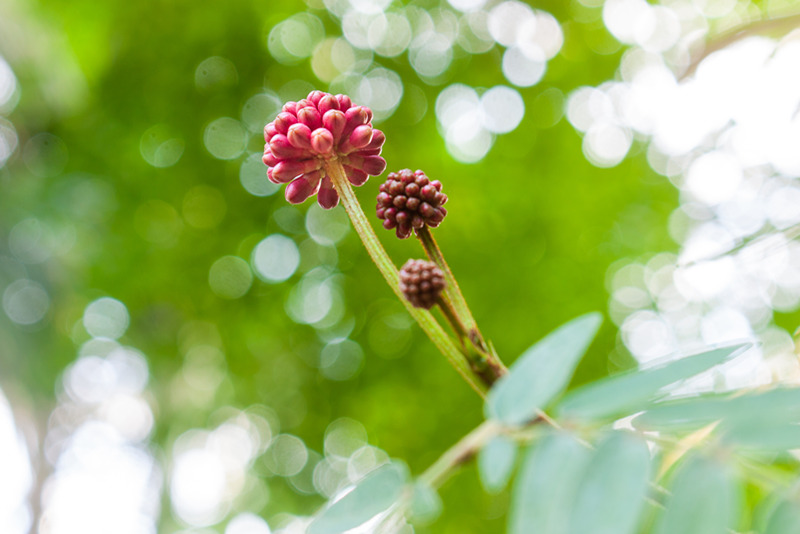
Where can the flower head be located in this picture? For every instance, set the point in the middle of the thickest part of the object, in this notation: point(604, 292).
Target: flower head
point(410, 200)
point(421, 282)
point(313, 131)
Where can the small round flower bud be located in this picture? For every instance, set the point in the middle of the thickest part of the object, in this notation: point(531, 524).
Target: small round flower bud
point(409, 200)
point(421, 282)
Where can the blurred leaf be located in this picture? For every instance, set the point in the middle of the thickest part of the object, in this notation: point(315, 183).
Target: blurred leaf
point(781, 405)
point(541, 372)
point(374, 493)
point(545, 487)
point(627, 393)
point(763, 436)
point(785, 519)
point(612, 492)
point(496, 462)
point(426, 506)
point(704, 500)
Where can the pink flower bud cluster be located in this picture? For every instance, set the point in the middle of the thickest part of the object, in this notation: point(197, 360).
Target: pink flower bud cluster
point(409, 200)
point(318, 128)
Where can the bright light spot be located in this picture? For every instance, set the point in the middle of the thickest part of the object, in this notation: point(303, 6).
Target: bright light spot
point(370, 6)
point(8, 140)
point(724, 325)
point(344, 437)
point(106, 317)
point(458, 110)
point(275, 258)
point(341, 360)
point(506, 20)
point(469, 148)
point(15, 513)
point(225, 138)
point(606, 145)
point(259, 110)
point(647, 336)
point(546, 37)
point(253, 177)
point(714, 177)
point(625, 18)
point(314, 298)
point(467, 5)
point(31, 241)
point(381, 90)
point(230, 277)
point(475, 37)
point(45, 155)
point(204, 207)
point(502, 109)
point(326, 227)
point(286, 456)
point(8, 88)
point(100, 485)
point(25, 302)
point(389, 35)
point(455, 101)
point(215, 73)
point(522, 68)
point(160, 148)
point(247, 523)
point(430, 54)
point(197, 488)
point(295, 38)
point(364, 460)
point(783, 207)
point(130, 415)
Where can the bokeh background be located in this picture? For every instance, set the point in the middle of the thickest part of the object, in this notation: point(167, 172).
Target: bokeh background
point(181, 351)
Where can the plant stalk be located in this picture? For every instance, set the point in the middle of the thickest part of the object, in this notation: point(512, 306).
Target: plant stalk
point(424, 318)
point(463, 314)
point(460, 453)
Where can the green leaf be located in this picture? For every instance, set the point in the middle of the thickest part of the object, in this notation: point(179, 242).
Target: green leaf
point(542, 372)
point(627, 393)
point(777, 406)
point(425, 504)
point(374, 494)
point(611, 495)
point(762, 436)
point(496, 462)
point(545, 487)
point(785, 519)
point(705, 500)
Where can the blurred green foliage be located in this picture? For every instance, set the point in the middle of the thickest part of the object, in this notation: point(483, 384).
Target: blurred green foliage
point(530, 233)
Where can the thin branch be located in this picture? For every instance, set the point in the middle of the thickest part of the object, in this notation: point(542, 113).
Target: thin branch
point(780, 24)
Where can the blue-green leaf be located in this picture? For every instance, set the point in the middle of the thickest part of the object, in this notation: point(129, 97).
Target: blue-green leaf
point(781, 405)
point(546, 484)
point(495, 463)
point(762, 436)
point(628, 393)
point(705, 500)
point(425, 504)
point(374, 494)
point(785, 519)
point(542, 372)
point(611, 495)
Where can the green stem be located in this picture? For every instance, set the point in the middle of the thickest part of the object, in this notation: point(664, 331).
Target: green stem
point(460, 453)
point(376, 251)
point(459, 303)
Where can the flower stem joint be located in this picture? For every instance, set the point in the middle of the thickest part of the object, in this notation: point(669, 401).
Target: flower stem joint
point(317, 129)
point(409, 200)
point(422, 283)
